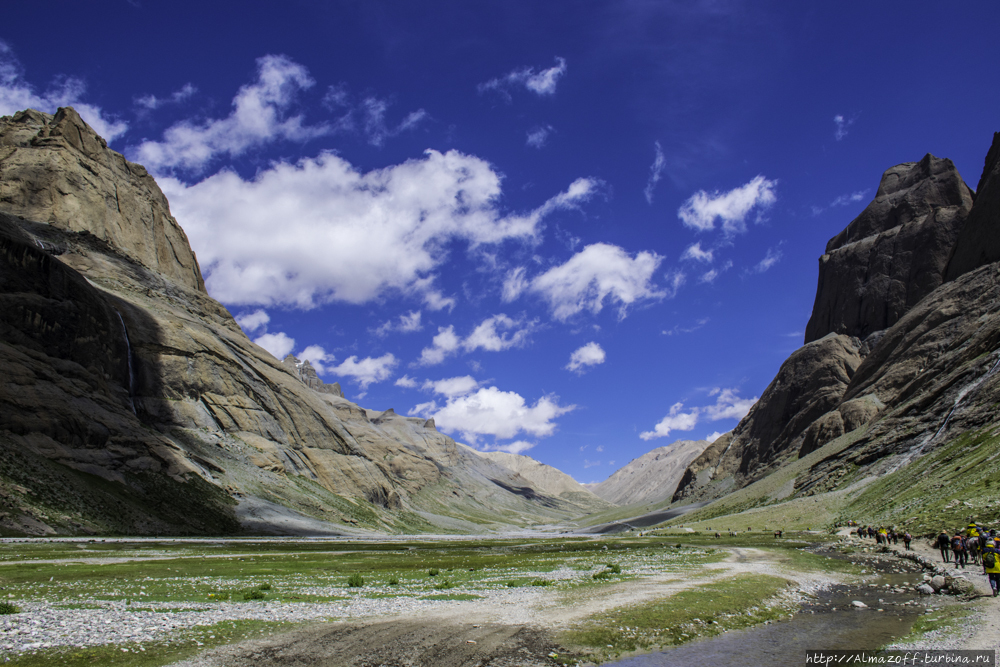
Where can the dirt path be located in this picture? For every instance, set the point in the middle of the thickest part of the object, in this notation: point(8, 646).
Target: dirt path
point(492, 632)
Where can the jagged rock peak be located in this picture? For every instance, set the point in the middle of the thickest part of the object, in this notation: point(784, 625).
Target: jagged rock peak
point(894, 253)
point(305, 372)
point(979, 242)
point(57, 170)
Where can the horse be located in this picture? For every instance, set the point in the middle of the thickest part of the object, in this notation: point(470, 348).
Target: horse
point(973, 546)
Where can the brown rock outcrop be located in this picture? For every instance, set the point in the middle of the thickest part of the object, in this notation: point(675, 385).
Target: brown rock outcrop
point(894, 253)
point(653, 477)
point(979, 242)
point(55, 169)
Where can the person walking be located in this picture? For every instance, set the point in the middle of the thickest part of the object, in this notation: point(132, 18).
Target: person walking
point(907, 538)
point(958, 550)
point(944, 544)
point(991, 564)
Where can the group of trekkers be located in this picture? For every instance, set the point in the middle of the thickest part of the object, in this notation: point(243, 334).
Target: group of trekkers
point(976, 544)
point(883, 535)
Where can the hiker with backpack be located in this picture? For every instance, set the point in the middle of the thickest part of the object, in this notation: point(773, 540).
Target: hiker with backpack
point(958, 549)
point(907, 538)
point(944, 544)
point(991, 564)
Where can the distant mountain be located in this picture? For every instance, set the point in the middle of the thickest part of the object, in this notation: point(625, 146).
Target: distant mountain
point(131, 402)
point(550, 480)
point(651, 478)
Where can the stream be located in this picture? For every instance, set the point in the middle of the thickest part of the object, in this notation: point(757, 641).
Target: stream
point(828, 621)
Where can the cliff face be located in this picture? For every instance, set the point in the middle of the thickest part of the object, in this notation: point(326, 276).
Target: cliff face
point(132, 401)
point(892, 255)
point(926, 368)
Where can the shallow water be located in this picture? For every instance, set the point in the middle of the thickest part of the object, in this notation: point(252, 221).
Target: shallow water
point(828, 622)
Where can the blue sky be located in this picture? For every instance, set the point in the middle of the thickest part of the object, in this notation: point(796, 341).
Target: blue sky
point(577, 231)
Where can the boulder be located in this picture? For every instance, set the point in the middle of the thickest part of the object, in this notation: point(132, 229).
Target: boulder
point(925, 589)
point(937, 582)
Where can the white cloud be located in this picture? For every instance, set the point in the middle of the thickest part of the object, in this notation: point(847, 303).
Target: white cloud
point(712, 437)
point(514, 284)
point(587, 463)
point(280, 345)
point(840, 126)
point(251, 322)
point(710, 276)
point(405, 323)
point(259, 116)
point(452, 387)
point(597, 273)
point(541, 83)
point(728, 405)
point(498, 333)
point(674, 421)
point(375, 127)
point(538, 136)
point(678, 329)
point(853, 198)
point(152, 102)
point(320, 231)
point(406, 382)
point(590, 354)
point(694, 252)
point(676, 280)
point(702, 209)
point(443, 344)
point(516, 447)
point(366, 371)
point(770, 259)
point(655, 172)
point(16, 95)
point(600, 448)
point(491, 412)
point(318, 357)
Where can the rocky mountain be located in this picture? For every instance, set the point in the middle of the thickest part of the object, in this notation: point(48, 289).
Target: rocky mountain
point(651, 478)
point(131, 402)
point(549, 480)
point(903, 345)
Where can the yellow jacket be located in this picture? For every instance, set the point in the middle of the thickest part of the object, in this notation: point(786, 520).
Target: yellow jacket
point(996, 565)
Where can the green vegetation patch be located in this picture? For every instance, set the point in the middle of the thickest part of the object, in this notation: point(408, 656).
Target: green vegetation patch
point(452, 596)
point(695, 613)
point(952, 618)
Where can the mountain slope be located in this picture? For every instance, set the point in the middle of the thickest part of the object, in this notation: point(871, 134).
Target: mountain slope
point(549, 480)
point(132, 402)
point(651, 478)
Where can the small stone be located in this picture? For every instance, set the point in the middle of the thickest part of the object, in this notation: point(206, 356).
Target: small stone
point(859, 604)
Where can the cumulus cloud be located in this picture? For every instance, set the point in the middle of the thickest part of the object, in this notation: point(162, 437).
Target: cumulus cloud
point(260, 115)
point(498, 333)
point(674, 421)
point(538, 136)
point(492, 412)
point(695, 252)
point(280, 345)
point(655, 172)
point(251, 322)
point(599, 273)
point(589, 355)
point(516, 447)
point(712, 437)
point(728, 405)
point(406, 382)
point(320, 231)
point(494, 334)
point(731, 208)
point(452, 387)
point(445, 343)
point(541, 83)
point(318, 357)
point(366, 371)
point(16, 94)
point(405, 323)
point(152, 102)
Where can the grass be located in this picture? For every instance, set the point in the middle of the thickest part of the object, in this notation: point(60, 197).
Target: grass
point(952, 617)
point(9, 608)
point(703, 611)
point(355, 581)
